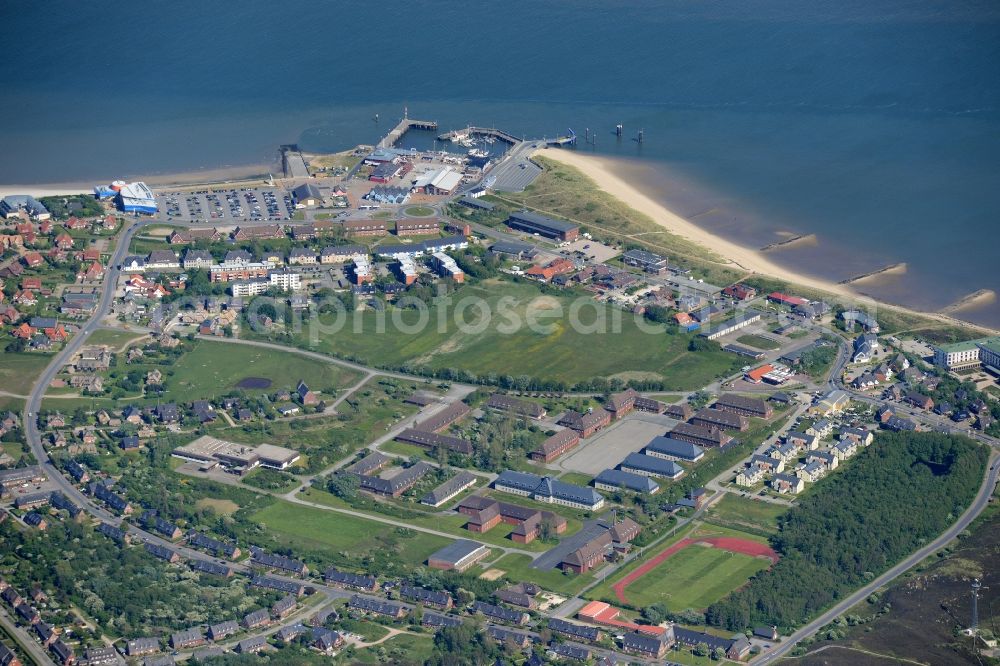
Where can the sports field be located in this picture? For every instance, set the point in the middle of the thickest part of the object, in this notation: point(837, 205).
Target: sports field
point(694, 572)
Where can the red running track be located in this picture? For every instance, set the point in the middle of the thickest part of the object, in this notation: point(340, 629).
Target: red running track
point(734, 544)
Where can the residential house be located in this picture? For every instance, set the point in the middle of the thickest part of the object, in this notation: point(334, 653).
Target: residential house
point(787, 484)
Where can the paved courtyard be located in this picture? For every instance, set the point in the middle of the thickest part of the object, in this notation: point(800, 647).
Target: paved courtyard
point(607, 448)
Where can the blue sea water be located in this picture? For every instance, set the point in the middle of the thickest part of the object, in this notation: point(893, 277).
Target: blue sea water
point(874, 125)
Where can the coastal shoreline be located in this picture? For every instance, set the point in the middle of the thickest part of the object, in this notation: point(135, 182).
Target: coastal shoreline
point(214, 177)
point(602, 171)
point(607, 177)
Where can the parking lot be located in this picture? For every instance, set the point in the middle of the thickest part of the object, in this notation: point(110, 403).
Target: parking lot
point(607, 448)
point(227, 206)
point(591, 250)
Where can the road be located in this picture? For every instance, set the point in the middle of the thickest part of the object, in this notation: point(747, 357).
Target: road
point(24, 641)
point(977, 506)
point(34, 400)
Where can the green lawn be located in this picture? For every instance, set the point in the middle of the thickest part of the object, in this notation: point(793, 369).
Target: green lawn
point(758, 342)
point(694, 577)
point(8, 403)
point(114, 338)
point(454, 524)
point(371, 631)
point(318, 530)
point(555, 350)
point(745, 513)
point(18, 372)
point(371, 410)
point(414, 649)
point(418, 211)
point(518, 568)
point(213, 368)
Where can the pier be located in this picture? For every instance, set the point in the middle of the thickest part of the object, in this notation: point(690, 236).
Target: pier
point(404, 126)
point(498, 134)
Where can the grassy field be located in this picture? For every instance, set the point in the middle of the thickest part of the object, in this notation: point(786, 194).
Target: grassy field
point(212, 368)
point(223, 507)
point(19, 371)
point(455, 524)
point(8, 403)
point(555, 351)
point(418, 211)
point(518, 568)
point(413, 648)
point(746, 514)
point(114, 339)
point(758, 342)
point(694, 577)
point(318, 530)
point(371, 410)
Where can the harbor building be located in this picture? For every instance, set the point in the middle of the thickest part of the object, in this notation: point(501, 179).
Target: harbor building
point(534, 223)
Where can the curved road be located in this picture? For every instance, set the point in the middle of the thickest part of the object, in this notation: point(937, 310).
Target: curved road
point(33, 436)
point(977, 506)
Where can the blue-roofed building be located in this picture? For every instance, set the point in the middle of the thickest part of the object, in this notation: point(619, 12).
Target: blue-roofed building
point(547, 489)
point(616, 479)
point(669, 448)
point(638, 463)
point(137, 198)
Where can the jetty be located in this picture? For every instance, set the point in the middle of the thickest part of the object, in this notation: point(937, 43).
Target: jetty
point(404, 126)
point(470, 131)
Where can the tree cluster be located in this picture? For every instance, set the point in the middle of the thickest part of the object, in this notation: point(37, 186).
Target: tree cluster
point(899, 494)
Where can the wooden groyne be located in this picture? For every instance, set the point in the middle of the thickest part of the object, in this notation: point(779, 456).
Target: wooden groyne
point(977, 298)
point(801, 238)
point(892, 269)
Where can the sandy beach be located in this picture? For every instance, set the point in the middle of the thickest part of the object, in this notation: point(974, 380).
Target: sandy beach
point(602, 172)
point(753, 261)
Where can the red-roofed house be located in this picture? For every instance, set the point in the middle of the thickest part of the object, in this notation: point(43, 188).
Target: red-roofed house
point(740, 292)
point(785, 299)
point(75, 223)
point(32, 259)
point(31, 283)
point(555, 267)
point(24, 331)
point(93, 272)
point(25, 297)
point(110, 222)
point(91, 254)
point(64, 241)
point(24, 228)
point(56, 334)
point(10, 241)
point(45, 227)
